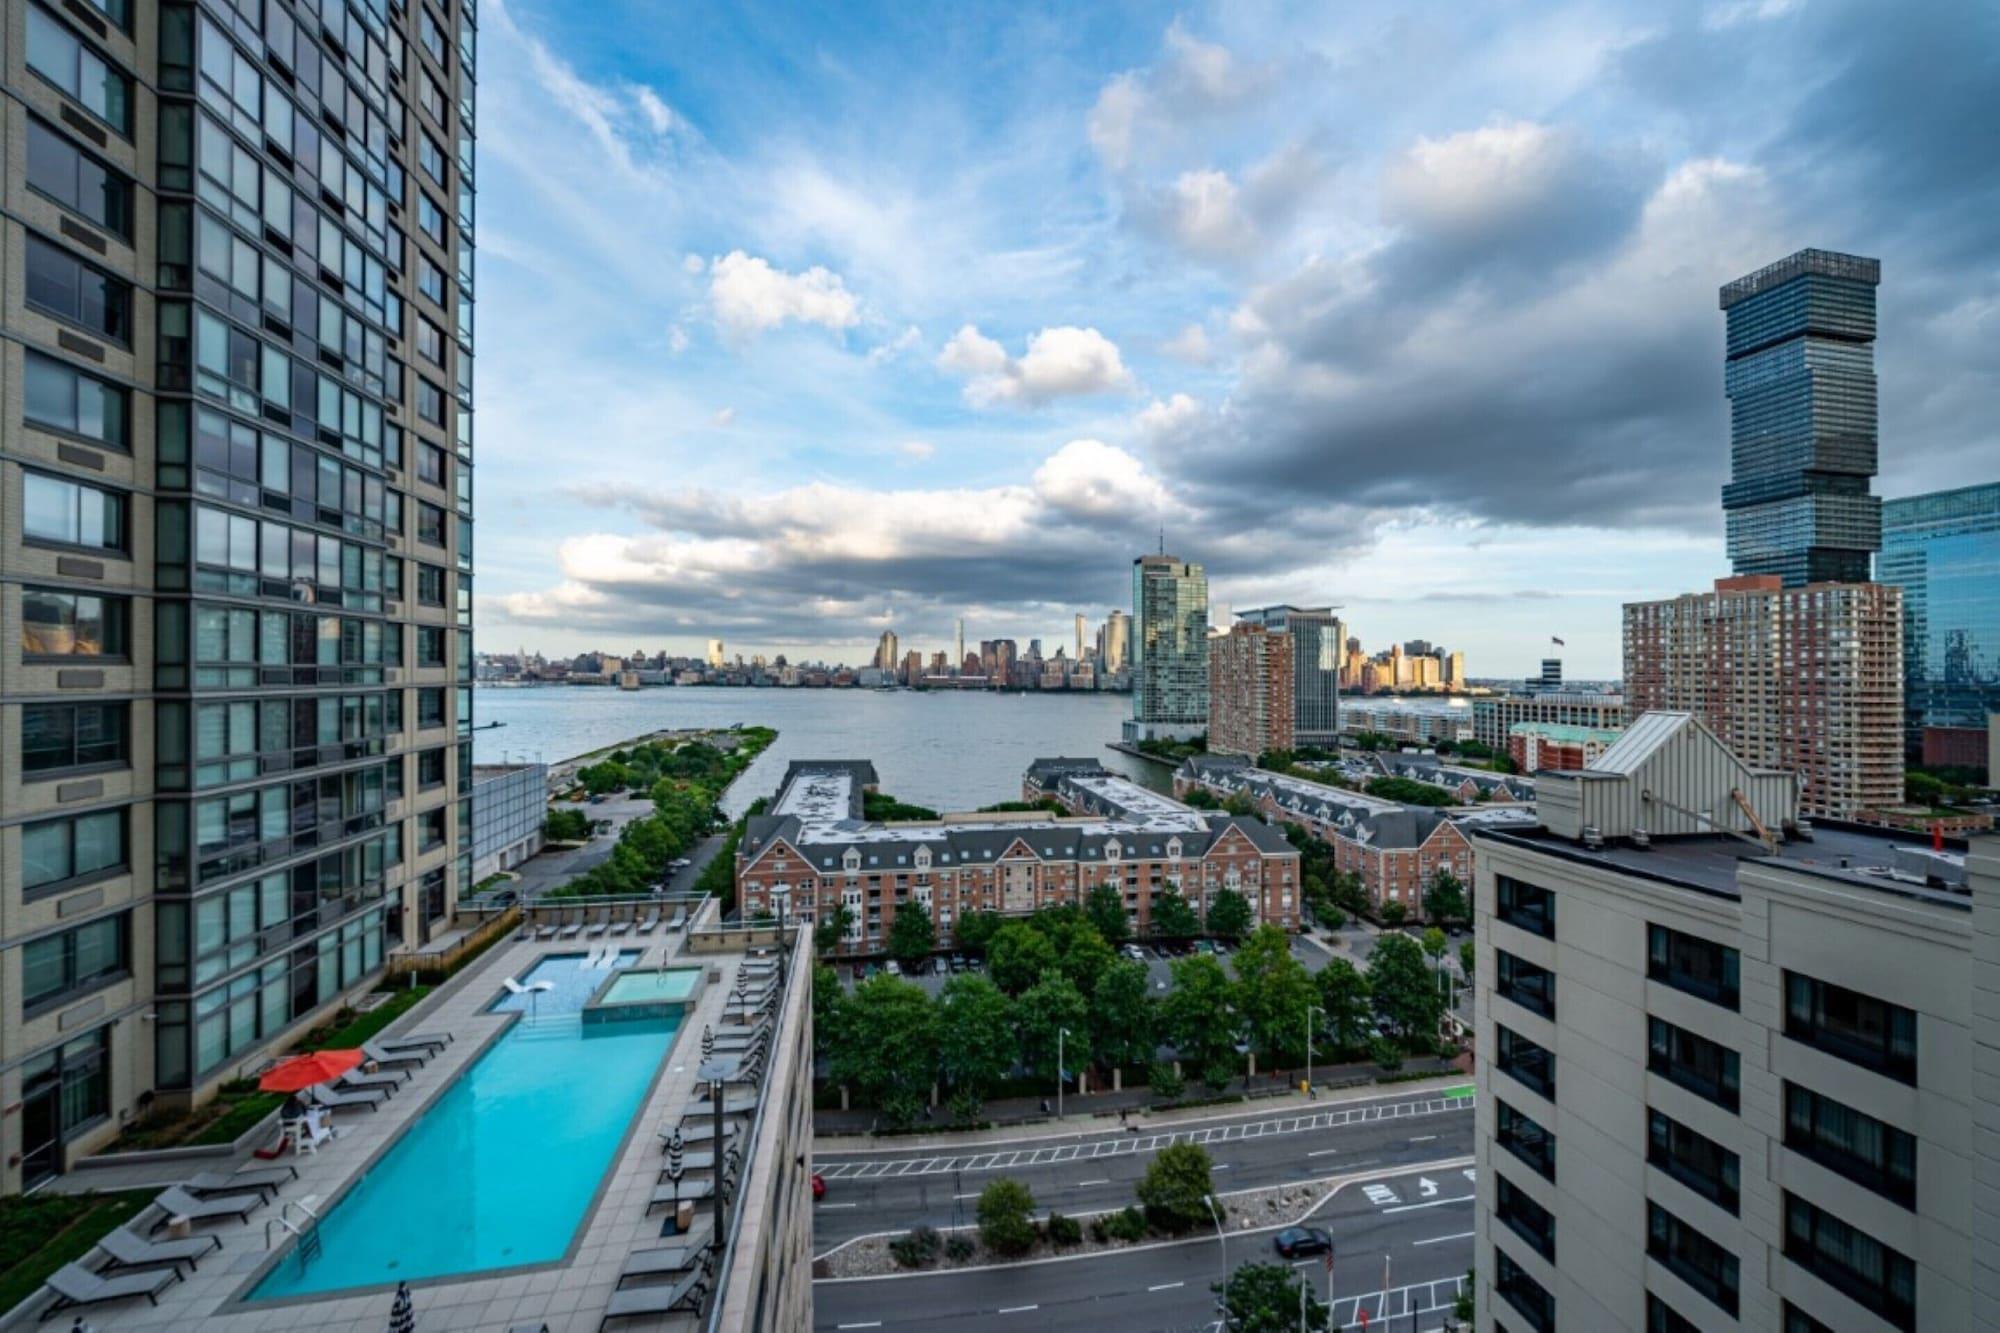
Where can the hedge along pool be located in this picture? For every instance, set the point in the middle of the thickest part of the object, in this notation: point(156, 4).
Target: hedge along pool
point(501, 1169)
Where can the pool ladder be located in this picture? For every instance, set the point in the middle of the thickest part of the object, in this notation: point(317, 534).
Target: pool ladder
point(306, 1232)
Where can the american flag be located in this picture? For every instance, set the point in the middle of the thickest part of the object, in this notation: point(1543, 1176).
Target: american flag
point(1557, 642)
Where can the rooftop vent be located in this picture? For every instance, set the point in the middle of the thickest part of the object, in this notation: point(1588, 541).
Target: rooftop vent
point(1642, 839)
point(1593, 838)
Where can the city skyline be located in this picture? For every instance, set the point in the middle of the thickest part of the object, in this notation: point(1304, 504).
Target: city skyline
point(1151, 270)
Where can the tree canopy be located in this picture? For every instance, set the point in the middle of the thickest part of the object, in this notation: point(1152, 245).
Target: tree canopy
point(1052, 1005)
point(1121, 1015)
point(1017, 955)
point(887, 1046)
point(1404, 988)
point(976, 1041)
point(1229, 915)
point(1273, 990)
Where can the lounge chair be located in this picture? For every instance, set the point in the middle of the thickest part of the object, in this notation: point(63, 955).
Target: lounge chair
point(76, 1285)
point(595, 930)
point(687, 1254)
point(735, 1103)
point(410, 1041)
point(570, 931)
point(700, 1128)
point(620, 927)
point(648, 925)
point(685, 1292)
point(693, 1189)
point(128, 1249)
point(338, 1099)
point(261, 1179)
point(388, 1080)
point(410, 1057)
point(743, 1034)
point(179, 1203)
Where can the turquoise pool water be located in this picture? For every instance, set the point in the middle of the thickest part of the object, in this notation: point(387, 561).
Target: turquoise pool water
point(502, 1167)
point(673, 983)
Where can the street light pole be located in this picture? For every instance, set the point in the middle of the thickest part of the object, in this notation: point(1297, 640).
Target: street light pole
point(1223, 1239)
point(1060, 1034)
point(1311, 1009)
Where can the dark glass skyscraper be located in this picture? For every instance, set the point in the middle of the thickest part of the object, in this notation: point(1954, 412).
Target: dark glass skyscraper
point(1800, 376)
point(1943, 550)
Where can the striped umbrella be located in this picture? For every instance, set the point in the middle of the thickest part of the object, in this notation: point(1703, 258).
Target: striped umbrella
point(707, 1043)
point(675, 1163)
point(402, 1315)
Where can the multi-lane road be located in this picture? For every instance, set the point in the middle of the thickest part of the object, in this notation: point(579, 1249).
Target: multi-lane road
point(1408, 1199)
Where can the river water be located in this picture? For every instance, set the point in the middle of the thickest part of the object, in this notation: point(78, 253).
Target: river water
point(946, 750)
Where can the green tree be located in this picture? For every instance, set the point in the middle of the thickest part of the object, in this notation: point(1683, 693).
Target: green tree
point(1348, 893)
point(1444, 900)
point(1199, 1013)
point(1466, 953)
point(1172, 918)
point(1435, 944)
point(976, 1045)
point(974, 931)
point(1411, 792)
point(827, 934)
point(1201, 798)
point(1106, 910)
point(1007, 1217)
point(1273, 989)
point(1343, 994)
point(1121, 1015)
point(1081, 953)
point(1176, 1186)
point(1404, 989)
point(1239, 805)
point(911, 934)
point(826, 1000)
point(1266, 1298)
point(885, 1044)
point(1018, 955)
point(1228, 915)
point(1393, 914)
point(1050, 1006)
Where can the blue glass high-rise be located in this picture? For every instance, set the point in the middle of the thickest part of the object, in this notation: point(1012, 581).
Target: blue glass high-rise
point(1800, 376)
point(1943, 550)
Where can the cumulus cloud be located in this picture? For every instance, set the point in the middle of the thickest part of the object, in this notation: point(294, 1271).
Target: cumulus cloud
point(723, 419)
point(749, 296)
point(1061, 362)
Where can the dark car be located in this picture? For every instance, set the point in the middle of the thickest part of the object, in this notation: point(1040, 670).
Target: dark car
point(1293, 1242)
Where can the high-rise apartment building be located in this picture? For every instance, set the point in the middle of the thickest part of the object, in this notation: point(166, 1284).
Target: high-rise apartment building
point(1800, 375)
point(1318, 644)
point(1729, 1067)
point(1250, 691)
point(1077, 653)
point(1943, 551)
point(958, 643)
point(887, 651)
point(1169, 649)
point(235, 536)
point(715, 658)
point(1114, 640)
point(1809, 680)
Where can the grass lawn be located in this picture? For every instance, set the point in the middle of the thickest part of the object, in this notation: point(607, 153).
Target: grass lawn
point(360, 1027)
point(39, 1233)
point(235, 1108)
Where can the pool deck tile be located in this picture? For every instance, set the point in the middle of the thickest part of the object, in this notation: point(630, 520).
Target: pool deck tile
point(568, 1296)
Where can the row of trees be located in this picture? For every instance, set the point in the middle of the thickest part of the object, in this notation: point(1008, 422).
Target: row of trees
point(1056, 985)
point(639, 767)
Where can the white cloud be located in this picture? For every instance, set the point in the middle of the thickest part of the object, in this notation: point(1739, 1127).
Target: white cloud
point(1113, 119)
point(920, 451)
point(1463, 181)
point(692, 263)
point(883, 353)
point(1090, 478)
point(1060, 362)
point(677, 340)
point(749, 296)
point(723, 419)
point(659, 117)
point(1194, 81)
point(1165, 420)
point(1191, 346)
point(1205, 216)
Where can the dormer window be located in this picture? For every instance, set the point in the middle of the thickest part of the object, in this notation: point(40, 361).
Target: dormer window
point(1111, 851)
point(923, 858)
point(1173, 849)
point(851, 861)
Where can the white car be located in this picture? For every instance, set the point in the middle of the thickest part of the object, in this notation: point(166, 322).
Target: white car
point(893, 968)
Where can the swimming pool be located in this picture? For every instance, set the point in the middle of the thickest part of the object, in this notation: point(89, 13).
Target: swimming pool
point(501, 1169)
point(672, 983)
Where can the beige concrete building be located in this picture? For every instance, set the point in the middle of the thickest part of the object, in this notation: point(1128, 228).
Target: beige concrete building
point(1734, 1070)
point(1807, 679)
point(1250, 696)
point(235, 536)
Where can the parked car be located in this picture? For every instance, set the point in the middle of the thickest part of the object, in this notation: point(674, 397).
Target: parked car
point(819, 1185)
point(940, 965)
point(1293, 1242)
point(958, 962)
point(1204, 946)
point(894, 968)
point(975, 964)
point(679, 863)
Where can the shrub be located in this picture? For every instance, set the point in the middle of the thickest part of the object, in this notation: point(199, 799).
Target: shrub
point(1385, 1053)
point(958, 1249)
point(1165, 1082)
point(1100, 1231)
point(1176, 1186)
point(1006, 1217)
point(1064, 1230)
point(918, 1248)
point(964, 1108)
point(1127, 1225)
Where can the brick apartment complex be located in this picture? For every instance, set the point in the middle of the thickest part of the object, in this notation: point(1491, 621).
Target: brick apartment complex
point(1396, 849)
point(814, 853)
point(1807, 679)
point(1547, 746)
point(1250, 694)
point(1494, 719)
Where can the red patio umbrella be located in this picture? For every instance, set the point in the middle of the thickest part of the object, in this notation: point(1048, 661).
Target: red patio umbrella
point(303, 1071)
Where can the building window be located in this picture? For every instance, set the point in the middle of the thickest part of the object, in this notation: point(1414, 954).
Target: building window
point(69, 513)
point(1527, 1140)
point(430, 585)
point(79, 182)
point(1530, 1299)
point(76, 1077)
point(63, 853)
point(1663, 1318)
point(1691, 1256)
point(430, 524)
point(1697, 1161)
point(1532, 1065)
point(1856, 1145)
point(430, 646)
point(63, 286)
point(63, 625)
point(59, 55)
point(1856, 1264)
point(430, 708)
point(1526, 906)
point(431, 769)
point(56, 738)
point(58, 968)
point(1692, 964)
point(59, 397)
point(1705, 1068)
point(1860, 1029)
point(1532, 1222)
point(1531, 987)
point(1798, 1321)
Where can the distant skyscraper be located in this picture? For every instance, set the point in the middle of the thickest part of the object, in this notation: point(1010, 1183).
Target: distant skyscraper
point(1250, 691)
point(886, 650)
point(1943, 551)
point(715, 658)
point(1318, 639)
point(1800, 376)
point(959, 654)
point(1169, 649)
point(1114, 647)
point(1078, 654)
point(1551, 678)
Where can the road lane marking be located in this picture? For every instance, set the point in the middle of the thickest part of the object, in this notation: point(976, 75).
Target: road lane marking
point(1017, 1309)
point(1429, 1203)
point(1220, 1166)
point(1166, 1286)
point(1081, 1183)
point(1423, 1138)
point(973, 1195)
point(1439, 1240)
point(874, 1323)
point(1323, 1152)
point(1380, 1195)
point(840, 1205)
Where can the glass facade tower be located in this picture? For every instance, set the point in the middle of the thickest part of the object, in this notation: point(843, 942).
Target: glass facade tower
point(1800, 376)
point(1319, 641)
point(1943, 550)
point(1169, 649)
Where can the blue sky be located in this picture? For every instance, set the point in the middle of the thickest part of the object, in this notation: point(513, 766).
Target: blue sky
point(800, 322)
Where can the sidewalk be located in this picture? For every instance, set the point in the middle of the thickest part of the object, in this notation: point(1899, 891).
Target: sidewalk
point(838, 1131)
